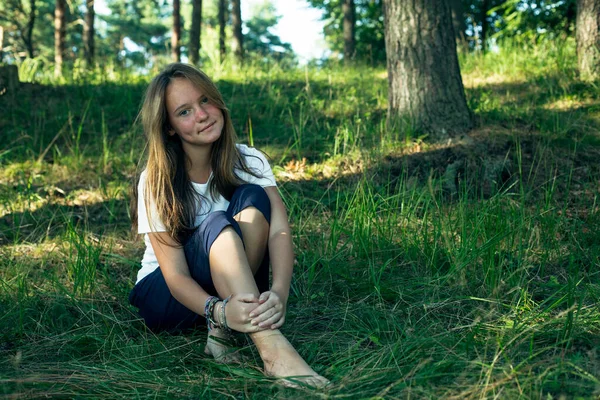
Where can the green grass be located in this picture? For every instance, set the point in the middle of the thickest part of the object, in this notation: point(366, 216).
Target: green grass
point(460, 270)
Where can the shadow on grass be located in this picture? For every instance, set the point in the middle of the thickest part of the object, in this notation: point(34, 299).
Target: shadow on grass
point(554, 106)
point(55, 221)
point(280, 113)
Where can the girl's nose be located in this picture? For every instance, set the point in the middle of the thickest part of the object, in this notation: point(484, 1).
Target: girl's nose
point(201, 114)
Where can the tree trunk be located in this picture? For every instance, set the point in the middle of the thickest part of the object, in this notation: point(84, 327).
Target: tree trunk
point(349, 11)
point(459, 24)
point(29, 32)
point(588, 39)
point(238, 39)
point(88, 33)
point(222, 18)
point(195, 29)
point(425, 86)
point(484, 24)
point(59, 36)
point(1, 43)
point(176, 38)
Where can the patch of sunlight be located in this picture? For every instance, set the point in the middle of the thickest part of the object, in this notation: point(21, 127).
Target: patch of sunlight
point(34, 251)
point(570, 104)
point(84, 197)
point(474, 80)
point(300, 170)
point(31, 172)
point(52, 195)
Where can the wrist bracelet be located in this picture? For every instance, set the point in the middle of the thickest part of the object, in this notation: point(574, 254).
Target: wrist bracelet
point(209, 307)
point(223, 315)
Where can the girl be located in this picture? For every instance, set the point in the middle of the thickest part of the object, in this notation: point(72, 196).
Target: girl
point(213, 220)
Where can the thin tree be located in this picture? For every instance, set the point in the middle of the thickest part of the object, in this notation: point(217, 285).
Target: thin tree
point(176, 37)
point(30, 26)
point(459, 23)
point(588, 39)
point(238, 38)
point(485, 5)
point(425, 85)
point(194, 52)
point(222, 20)
point(59, 36)
point(349, 11)
point(1, 43)
point(88, 33)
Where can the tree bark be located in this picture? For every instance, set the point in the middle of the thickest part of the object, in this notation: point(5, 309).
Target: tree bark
point(176, 38)
point(238, 39)
point(222, 18)
point(425, 85)
point(588, 39)
point(29, 32)
point(59, 36)
point(195, 31)
point(485, 5)
point(88, 33)
point(349, 11)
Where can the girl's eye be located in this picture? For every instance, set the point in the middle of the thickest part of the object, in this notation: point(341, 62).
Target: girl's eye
point(204, 100)
point(183, 113)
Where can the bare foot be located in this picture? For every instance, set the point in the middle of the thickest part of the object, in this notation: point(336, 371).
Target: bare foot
point(283, 361)
point(217, 346)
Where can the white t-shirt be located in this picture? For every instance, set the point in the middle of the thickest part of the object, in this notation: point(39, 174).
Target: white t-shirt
point(255, 160)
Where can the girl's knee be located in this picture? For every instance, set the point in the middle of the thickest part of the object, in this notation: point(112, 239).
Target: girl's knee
point(250, 195)
point(197, 248)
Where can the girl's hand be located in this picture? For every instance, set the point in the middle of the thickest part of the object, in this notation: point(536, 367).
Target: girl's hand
point(237, 312)
point(270, 314)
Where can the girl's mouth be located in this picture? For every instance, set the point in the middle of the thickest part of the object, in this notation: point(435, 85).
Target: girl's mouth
point(206, 127)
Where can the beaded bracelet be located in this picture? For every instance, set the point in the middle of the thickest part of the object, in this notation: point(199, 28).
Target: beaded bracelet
point(223, 316)
point(209, 307)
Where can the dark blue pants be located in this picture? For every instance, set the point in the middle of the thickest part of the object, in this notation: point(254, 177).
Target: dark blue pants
point(152, 297)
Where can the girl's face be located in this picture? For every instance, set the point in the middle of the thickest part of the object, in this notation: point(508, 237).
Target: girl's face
point(191, 115)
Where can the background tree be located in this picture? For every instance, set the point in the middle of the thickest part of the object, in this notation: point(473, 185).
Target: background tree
point(459, 24)
point(238, 38)
point(176, 35)
point(59, 36)
point(425, 85)
point(1, 43)
point(19, 19)
point(194, 48)
point(88, 32)
point(222, 16)
point(485, 5)
point(588, 39)
point(369, 30)
point(349, 12)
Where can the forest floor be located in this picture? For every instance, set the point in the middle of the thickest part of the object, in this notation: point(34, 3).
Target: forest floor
point(464, 269)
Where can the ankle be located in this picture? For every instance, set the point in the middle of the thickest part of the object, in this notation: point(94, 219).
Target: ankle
point(269, 343)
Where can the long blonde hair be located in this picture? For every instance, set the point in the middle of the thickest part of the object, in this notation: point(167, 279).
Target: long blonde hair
point(167, 180)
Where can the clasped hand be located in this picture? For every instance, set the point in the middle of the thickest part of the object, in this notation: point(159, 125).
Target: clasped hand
point(245, 313)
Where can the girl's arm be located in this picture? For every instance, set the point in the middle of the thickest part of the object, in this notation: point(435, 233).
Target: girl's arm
point(270, 313)
point(187, 291)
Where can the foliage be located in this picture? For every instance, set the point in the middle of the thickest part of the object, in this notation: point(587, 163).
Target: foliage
point(527, 20)
point(530, 20)
point(141, 24)
point(259, 40)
